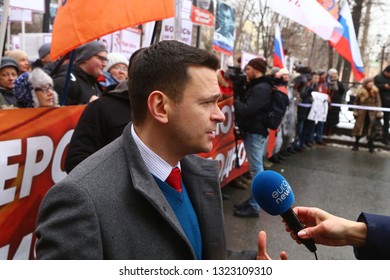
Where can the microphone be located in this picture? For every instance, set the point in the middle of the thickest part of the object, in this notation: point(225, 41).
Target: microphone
point(275, 196)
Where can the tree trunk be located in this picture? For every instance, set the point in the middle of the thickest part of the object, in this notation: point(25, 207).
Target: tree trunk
point(366, 27)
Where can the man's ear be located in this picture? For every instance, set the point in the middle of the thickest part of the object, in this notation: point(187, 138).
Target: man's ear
point(157, 105)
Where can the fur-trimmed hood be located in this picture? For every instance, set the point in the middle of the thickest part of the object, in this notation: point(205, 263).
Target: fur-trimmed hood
point(38, 78)
point(364, 93)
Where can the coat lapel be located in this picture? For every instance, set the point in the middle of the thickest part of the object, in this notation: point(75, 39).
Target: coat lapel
point(144, 183)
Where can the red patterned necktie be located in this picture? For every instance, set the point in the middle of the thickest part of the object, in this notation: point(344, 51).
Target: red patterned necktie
point(174, 179)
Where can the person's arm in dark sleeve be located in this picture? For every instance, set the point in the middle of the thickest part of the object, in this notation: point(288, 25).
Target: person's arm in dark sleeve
point(88, 136)
point(380, 84)
point(377, 246)
point(58, 85)
point(256, 102)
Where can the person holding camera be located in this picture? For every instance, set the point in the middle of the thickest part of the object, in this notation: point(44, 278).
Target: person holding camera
point(249, 109)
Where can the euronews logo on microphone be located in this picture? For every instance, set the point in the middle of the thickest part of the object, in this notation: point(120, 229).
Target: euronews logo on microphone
point(282, 192)
point(272, 192)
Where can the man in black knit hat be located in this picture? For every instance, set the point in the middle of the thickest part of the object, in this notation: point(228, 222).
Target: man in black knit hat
point(91, 59)
point(248, 108)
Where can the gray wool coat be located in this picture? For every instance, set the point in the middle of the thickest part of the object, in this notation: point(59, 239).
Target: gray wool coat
point(110, 207)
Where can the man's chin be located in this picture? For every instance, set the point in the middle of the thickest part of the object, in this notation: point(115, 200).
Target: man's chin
point(207, 148)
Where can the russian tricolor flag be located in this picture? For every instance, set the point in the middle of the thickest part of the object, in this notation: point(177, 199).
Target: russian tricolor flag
point(278, 49)
point(348, 46)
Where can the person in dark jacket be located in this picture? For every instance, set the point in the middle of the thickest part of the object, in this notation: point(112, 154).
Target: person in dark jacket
point(44, 56)
point(249, 111)
point(102, 121)
point(90, 61)
point(382, 82)
point(336, 92)
point(302, 92)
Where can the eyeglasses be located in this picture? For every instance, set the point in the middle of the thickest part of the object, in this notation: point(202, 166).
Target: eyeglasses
point(44, 89)
point(120, 68)
point(101, 58)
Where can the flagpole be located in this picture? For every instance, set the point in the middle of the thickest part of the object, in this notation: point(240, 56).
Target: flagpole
point(64, 95)
point(178, 20)
point(3, 27)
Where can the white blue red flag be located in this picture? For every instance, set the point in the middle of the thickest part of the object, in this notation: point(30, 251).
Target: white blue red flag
point(348, 46)
point(310, 14)
point(278, 49)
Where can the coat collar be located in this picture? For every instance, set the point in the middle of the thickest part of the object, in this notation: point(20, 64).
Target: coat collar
point(200, 176)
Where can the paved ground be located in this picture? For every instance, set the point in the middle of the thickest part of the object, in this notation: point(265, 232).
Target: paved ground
point(331, 177)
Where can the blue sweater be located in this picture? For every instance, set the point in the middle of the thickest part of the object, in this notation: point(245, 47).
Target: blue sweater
point(185, 213)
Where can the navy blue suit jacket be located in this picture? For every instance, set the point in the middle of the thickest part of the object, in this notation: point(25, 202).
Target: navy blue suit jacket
point(377, 245)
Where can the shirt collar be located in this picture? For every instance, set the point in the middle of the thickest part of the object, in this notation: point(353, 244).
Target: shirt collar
point(155, 164)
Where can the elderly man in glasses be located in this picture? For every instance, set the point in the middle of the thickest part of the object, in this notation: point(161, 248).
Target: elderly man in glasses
point(91, 59)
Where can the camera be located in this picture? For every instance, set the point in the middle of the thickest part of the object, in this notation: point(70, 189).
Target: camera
point(238, 79)
point(235, 74)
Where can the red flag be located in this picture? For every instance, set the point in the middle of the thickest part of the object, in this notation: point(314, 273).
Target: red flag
point(80, 21)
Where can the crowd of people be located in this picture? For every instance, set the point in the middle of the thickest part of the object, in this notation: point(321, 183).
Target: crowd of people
point(93, 73)
point(301, 127)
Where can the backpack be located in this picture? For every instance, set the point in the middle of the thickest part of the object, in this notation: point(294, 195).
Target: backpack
point(274, 114)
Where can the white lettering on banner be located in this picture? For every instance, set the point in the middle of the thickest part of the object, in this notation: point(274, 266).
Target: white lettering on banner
point(227, 124)
point(23, 251)
point(201, 14)
point(227, 163)
point(57, 174)
point(33, 167)
point(39, 153)
point(8, 149)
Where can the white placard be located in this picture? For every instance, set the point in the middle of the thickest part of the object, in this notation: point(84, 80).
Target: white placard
point(245, 57)
point(319, 108)
point(131, 41)
point(46, 38)
point(186, 32)
point(186, 9)
point(15, 42)
point(17, 14)
point(168, 30)
point(34, 5)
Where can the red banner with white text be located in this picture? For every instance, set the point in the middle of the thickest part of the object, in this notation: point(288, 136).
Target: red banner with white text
point(33, 143)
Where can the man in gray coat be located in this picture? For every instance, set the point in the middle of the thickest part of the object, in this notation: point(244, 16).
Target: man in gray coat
point(121, 202)
point(116, 204)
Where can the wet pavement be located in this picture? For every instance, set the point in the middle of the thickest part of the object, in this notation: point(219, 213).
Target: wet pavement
point(331, 177)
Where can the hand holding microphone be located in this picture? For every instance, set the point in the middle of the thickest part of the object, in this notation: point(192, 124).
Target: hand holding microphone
point(327, 229)
point(274, 195)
